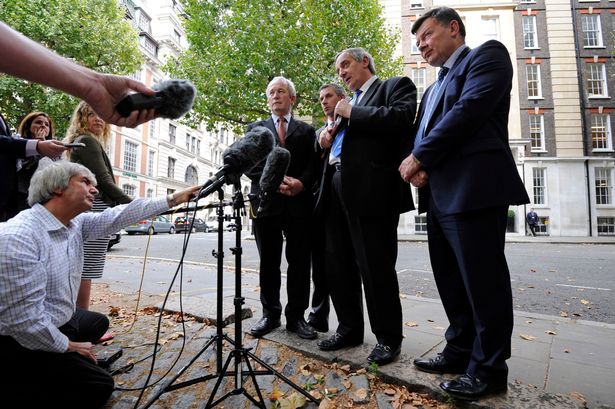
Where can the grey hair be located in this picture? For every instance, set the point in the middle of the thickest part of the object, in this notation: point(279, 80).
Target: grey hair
point(53, 176)
point(339, 91)
point(289, 85)
point(358, 54)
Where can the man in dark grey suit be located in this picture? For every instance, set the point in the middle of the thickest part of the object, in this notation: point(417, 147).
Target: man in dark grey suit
point(286, 214)
point(467, 177)
point(367, 196)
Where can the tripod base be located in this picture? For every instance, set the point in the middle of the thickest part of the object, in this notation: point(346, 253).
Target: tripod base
point(237, 357)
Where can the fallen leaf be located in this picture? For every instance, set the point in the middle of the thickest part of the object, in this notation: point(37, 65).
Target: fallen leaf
point(361, 371)
point(390, 391)
point(332, 390)
point(566, 350)
point(529, 322)
point(527, 337)
point(326, 404)
point(430, 320)
point(563, 314)
point(532, 270)
point(530, 286)
point(294, 401)
point(275, 394)
point(584, 302)
point(550, 332)
point(577, 395)
point(347, 384)
point(114, 311)
point(316, 394)
point(361, 393)
point(411, 324)
point(345, 368)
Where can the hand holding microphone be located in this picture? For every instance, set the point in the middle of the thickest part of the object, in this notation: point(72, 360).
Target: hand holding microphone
point(172, 99)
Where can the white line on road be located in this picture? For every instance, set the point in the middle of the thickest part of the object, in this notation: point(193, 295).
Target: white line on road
point(583, 287)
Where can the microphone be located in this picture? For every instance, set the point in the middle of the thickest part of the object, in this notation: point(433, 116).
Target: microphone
point(273, 174)
point(239, 158)
point(173, 98)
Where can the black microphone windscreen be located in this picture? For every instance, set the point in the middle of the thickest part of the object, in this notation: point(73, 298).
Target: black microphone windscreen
point(173, 98)
point(246, 152)
point(274, 170)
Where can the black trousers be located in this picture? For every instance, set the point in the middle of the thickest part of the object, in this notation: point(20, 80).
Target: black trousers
point(363, 249)
point(471, 273)
point(269, 233)
point(320, 296)
point(68, 380)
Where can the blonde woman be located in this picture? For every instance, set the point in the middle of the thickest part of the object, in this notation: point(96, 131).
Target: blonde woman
point(88, 128)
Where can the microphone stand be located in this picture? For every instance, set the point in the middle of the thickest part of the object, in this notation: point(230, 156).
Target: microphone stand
point(238, 354)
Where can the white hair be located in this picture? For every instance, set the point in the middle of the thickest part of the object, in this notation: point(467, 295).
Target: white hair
point(289, 84)
point(53, 176)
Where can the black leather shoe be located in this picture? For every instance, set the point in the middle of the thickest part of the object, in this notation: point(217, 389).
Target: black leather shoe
point(468, 387)
point(338, 341)
point(264, 326)
point(302, 329)
point(383, 354)
point(439, 365)
point(319, 326)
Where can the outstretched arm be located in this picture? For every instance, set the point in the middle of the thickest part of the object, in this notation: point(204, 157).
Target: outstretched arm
point(38, 64)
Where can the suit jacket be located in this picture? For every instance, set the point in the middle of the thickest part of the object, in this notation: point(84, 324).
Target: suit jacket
point(10, 149)
point(465, 147)
point(94, 157)
point(299, 141)
point(378, 130)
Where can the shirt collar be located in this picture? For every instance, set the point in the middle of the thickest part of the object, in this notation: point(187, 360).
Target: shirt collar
point(366, 85)
point(450, 63)
point(287, 117)
point(47, 220)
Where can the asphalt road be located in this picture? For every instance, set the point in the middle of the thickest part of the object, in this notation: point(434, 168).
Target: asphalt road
point(577, 281)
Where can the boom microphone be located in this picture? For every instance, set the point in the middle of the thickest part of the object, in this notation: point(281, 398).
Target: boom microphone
point(239, 158)
point(173, 98)
point(273, 174)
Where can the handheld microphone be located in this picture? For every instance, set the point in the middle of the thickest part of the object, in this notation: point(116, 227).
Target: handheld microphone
point(273, 174)
point(239, 158)
point(173, 98)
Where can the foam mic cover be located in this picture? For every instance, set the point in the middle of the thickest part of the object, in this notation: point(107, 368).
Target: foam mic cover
point(274, 170)
point(173, 98)
point(248, 151)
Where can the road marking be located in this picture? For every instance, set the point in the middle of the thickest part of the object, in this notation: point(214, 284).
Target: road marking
point(583, 287)
point(415, 270)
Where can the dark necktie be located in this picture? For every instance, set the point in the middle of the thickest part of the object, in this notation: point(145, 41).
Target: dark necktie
point(442, 73)
point(433, 95)
point(282, 130)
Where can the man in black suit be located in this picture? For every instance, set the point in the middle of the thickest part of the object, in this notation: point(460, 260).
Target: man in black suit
point(12, 149)
point(467, 177)
point(367, 196)
point(329, 96)
point(286, 214)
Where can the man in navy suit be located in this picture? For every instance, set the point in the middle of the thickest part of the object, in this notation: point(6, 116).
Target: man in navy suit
point(288, 214)
point(365, 200)
point(462, 163)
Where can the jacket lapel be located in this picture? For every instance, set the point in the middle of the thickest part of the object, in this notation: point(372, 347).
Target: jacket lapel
point(369, 94)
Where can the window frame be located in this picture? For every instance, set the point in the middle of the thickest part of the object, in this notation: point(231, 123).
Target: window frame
point(129, 163)
point(596, 17)
point(596, 68)
point(533, 33)
point(537, 81)
point(604, 192)
point(608, 136)
point(539, 192)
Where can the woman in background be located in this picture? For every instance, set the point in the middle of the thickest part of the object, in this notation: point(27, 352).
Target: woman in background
point(35, 125)
point(86, 127)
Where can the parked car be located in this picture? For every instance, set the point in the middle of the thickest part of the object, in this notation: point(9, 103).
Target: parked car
point(212, 224)
point(183, 224)
point(115, 238)
point(160, 224)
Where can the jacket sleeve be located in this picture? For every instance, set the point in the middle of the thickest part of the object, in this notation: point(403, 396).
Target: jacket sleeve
point(92, 156)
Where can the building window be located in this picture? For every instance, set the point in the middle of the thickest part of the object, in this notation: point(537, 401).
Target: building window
point(170, 191)
point(537, 132)
point(130, 156)
point(172, 133)
point(604, 186)
point(592, 32)
point(129, 190)
point(187, 141)
point(420, 224)
point(601, 132)
point(192, 176)
point(527, 1)
point(193, 144)
point(149, 45)
point(152, 128)
point(540, 185)
point(171, 168)
point(530, 35)
point(596, 80)
point(144, 23)
point(414, 49)
point(416, 4)
point(198, 147)
point(542, 228)
point(418, 77)
point(534, 88)
point(151, 155)
point(606, 226)
point(177, 37)
point(489, 28)
point(150, 192)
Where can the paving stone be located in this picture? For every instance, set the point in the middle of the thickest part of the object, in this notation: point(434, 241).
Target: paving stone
point(359, 382)
point(269, 355)
point(383, 401)
point(333, 380)
point(290, 368)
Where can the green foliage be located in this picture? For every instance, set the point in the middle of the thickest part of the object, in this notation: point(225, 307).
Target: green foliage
point(90, 32)
point(373, 368)
point(238, 46)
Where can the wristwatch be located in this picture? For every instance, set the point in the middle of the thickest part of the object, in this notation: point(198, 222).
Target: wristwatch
point(171, 200)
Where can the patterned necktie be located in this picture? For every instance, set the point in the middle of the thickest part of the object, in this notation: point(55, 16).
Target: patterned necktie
point(282, 130)
point(431, 102)
point(336, 148)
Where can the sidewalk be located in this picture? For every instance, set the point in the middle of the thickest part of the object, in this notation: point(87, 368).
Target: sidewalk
point(516, 238)
point(556, 362)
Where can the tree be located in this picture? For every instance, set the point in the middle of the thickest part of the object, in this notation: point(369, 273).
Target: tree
point(93, 33)
point(238, 46)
